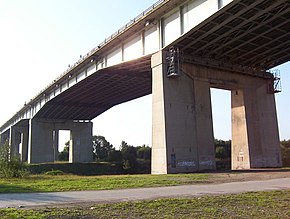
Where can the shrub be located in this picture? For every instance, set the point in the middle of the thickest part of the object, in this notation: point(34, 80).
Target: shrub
point(54, 172)
point(10, 165)
point(285, 150)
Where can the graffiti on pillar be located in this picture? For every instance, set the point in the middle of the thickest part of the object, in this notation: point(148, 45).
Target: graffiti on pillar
point(186, 163)
point(173, 161)
point(206, 163)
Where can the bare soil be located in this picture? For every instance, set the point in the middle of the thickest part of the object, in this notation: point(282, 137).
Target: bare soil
point(249, 175)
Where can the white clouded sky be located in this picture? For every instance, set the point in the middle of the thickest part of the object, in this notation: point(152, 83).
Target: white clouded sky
point(38, 39)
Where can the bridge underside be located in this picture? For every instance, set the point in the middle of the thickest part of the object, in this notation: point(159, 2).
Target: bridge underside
point(244, 36)
point(101, 91)
point(230, 50)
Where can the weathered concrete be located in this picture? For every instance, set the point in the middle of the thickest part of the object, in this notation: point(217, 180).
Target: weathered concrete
point(4, 137)
point(14, 140)
point(41, 141)
point(81, 148)
point(255, 138)
point(182, 138)
point(18, 139)
point(44, 135)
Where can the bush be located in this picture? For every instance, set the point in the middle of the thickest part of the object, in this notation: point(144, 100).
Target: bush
point(84, 169)
point(285, 150)
point(10, 165)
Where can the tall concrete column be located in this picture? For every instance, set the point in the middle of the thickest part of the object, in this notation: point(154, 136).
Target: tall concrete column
point(14, 141)
point(55, 143)
point(81, 144)
point(4, 137)
point(41, 141)
point(182, 138)
point(24, 145)
point(255, 137)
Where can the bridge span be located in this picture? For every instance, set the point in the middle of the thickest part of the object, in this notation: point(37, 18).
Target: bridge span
point(177, 50)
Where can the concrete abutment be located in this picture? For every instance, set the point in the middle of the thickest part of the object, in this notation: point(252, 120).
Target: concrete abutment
point(182, 127)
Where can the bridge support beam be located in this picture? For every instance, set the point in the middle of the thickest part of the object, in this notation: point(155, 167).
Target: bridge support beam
point(4, 137)
point(255, 136)
point(81, 143)
point(18, 139)
point(182, 138)
point(44, 135)
point(41, 141)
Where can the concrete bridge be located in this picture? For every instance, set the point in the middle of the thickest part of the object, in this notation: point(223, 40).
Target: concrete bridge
point(177, 50)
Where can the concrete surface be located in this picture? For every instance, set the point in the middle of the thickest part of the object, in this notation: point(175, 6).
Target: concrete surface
point(62, 198)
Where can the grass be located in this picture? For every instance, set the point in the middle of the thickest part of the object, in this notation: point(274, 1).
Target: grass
point(274, 204)
point(53, 183)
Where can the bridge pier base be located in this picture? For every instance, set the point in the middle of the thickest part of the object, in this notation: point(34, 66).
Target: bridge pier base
point(255, 136)
point(81, 143)
point(44, 135)
point(41, 141)
point(4, 137)
point(18, 139)
point(182, 138)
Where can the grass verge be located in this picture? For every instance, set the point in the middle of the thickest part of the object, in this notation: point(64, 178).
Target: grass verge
point(52, 183)
point(274, 204)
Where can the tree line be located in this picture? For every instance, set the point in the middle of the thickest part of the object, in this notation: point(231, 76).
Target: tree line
point(131, 156)
point(103, 151)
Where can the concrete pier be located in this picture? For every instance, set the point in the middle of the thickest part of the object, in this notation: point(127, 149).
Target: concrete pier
point(43, 140)
point(182, 133)
point(182, 122)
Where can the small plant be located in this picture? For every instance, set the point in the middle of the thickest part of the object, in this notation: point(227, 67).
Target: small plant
point(10, 165)
point(54, 172)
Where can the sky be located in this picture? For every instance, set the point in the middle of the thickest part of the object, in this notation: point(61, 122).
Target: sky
point(38, 39)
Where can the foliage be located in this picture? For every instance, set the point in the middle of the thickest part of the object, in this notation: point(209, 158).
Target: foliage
point(10, 165)
point(270, 204)
point(144, 152)
point(285, 150)
point(54, 172)
point(115, 156)
point(223, 149)
point(129, 154)
point(101, 148)
point(221, 153)
point(64, 155)
point(84, 169)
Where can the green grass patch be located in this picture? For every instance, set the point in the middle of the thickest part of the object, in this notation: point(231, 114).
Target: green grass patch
point(274, 204)
point(54, 183)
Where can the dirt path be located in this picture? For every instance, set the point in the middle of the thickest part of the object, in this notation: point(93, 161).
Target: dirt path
point(250, 175)
point(224, 183)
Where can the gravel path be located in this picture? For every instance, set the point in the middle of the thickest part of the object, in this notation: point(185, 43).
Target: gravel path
point(79, 197)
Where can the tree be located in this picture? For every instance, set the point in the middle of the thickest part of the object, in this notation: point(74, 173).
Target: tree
point(144, 152)
point(10, 165)
point(221, 153)
point(285, 150)
point(64, 155)
point(224, 153)
point(101, 148)
point(129, 154)
point(115, 156)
